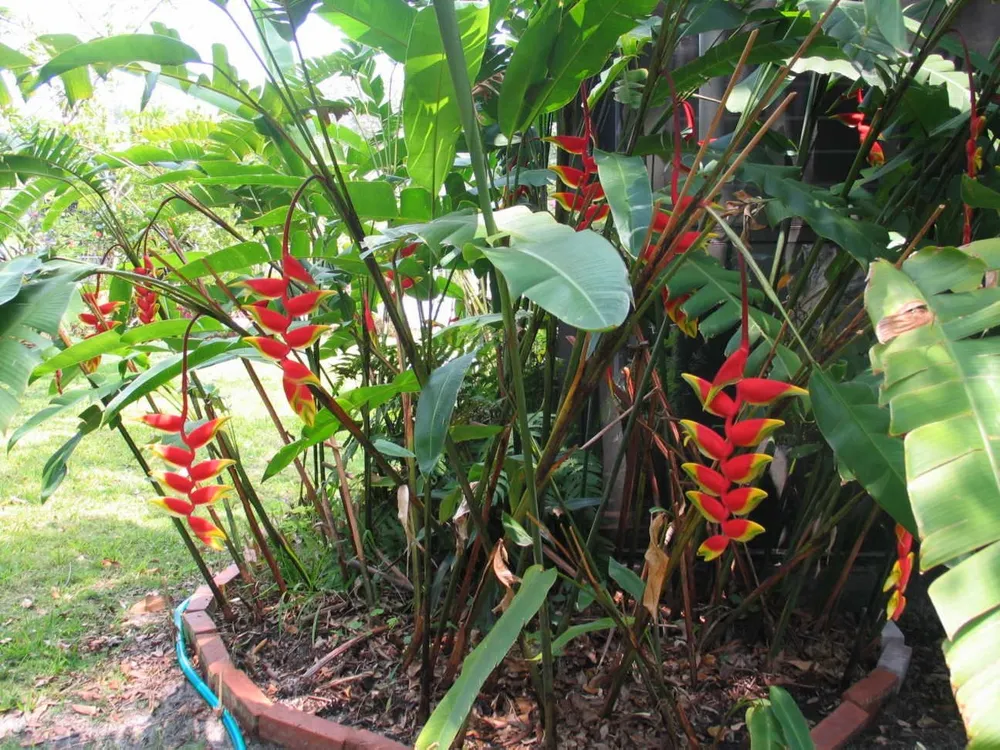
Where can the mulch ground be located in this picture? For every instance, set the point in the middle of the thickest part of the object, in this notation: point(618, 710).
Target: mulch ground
point(368, 686)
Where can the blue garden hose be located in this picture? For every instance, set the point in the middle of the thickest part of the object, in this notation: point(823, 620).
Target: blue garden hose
point(232, 728)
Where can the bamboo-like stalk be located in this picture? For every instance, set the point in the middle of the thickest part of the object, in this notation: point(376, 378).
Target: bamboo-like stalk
point(352, 521)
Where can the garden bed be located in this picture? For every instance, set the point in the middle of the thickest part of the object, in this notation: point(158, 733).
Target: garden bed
point(366, 685)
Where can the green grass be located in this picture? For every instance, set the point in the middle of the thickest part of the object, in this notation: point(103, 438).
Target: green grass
point(97, 545)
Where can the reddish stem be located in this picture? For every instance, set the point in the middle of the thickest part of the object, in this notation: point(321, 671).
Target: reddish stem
point(184, 375)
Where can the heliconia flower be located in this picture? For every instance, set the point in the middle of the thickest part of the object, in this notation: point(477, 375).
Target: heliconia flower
point(593, 192)
point(170, 423)
point(175, 506)
point(763, 392)
point(173, 480)
point(109, 308)
point(897, 603)
point(305, 304)
point(301, 399)
point(270, 347)
point(712, 547)
point(298, 373)
point(876, 156)
point(741, 530)
point(708, 441)
point(721, 406)
point(206, 531)
point(904, 541)
point(743, 500)
point(710, 507)
point(900, 574)
point(745, 468)
point(270, 320)
point(572, 144)
point(709, 480)
point(672, 307)
point(732, 369)
point(205, 470)
point(92, 320)
point(369, 318)
point(209, 493)
point(570, 201)
point(679, 246)
point(409, 250)
point(268, 288)
point(594, 213)
point(303, 336)
point(204, 433)
point(292, 268)
point(571, 176)
point(751, 432)
point(172, 454)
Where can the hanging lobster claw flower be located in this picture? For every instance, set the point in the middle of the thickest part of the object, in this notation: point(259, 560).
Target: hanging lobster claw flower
point(109, 308)
point(897, 603)
point(301, 399)
point(209, 534)
point(292, 268)
point(175, 506)
point(743, 500)
point(708, 480)
point(741, 529)
point(708, 506)
point(571, 176)
point(592, 214)
point(270, 320)
point(303, 336)
point(672, 307)
point(708, 441)
point(763, 392)
point(593, 192)
point(305, 304)
point(904, 541)
point(270, 347)
point(409, 250)
point(745, 468)
point(170, 423)
point(900, 574)
point(712, 547)
point(205, 470)
point(272, 288)
point(172, 454)
point(721, 405)
point(876, 156)
point(298, 373)
point(92, 320)
point(173, 480)
point(204, 433)
point(209, 493)
point(731, 370)
point(570, 201)
point(369, 318)
point(572, 144)
point(751, 432)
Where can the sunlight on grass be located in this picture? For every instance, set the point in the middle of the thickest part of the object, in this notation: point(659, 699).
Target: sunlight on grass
point(69, 568)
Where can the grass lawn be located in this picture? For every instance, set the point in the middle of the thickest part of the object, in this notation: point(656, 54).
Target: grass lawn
point(70, 567)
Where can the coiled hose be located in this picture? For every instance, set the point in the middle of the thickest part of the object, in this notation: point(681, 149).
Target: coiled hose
point(232, 728)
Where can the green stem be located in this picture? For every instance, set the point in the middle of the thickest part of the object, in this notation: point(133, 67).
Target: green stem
point(448, 24)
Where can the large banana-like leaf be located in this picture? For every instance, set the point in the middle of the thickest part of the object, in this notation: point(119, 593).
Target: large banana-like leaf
point(942, 382)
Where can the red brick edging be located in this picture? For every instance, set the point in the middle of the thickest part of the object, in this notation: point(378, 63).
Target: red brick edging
point(256, 713)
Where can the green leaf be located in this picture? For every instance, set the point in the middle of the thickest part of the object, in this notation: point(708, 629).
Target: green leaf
point(977, 195)
point(515, 531)
point(431, 121)
point(233, 258)
point(940, 381)
point(939, 71)
point(626, 578)
point(59, 405)
point(389, 448)
point(381, 24)
point(434, 410)
point(626, 184)
point(562, 46)
point(373, 200)
point(857, 429)
point(559, 644)
point(449, 715)
point(887, 17)
point(576, 276)
point(765, 733)
point(56, 467)
point(461, 433)
point(79, 352)
point(118, 50)
point(793, 723)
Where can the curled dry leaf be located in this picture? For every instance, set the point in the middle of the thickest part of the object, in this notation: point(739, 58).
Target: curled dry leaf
point(403, 513)
point(909, 316)
point(656, 562)
point(504, 575)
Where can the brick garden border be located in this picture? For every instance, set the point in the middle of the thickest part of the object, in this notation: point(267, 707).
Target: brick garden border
point(292, 728)
point(862, 701)
point(256, 713)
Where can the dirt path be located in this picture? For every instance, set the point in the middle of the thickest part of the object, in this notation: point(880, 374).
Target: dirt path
point(137, 699)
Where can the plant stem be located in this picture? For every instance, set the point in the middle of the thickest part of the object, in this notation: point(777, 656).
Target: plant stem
point(448, 24)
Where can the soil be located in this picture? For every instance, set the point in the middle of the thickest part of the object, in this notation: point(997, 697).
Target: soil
point(367, 685)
